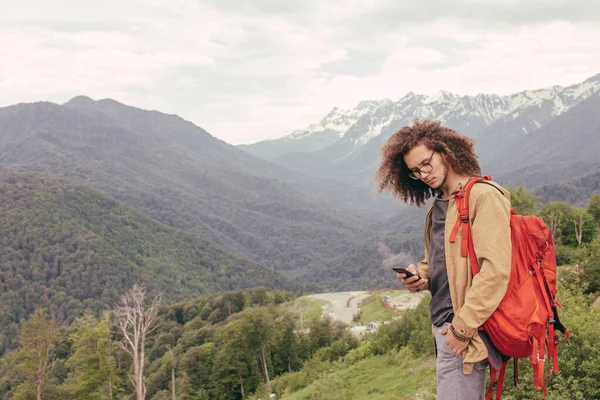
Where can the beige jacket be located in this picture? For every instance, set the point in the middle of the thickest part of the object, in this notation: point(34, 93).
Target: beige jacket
point(474, 300)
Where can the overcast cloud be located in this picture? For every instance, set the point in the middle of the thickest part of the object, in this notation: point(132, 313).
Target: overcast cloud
point(257, 69)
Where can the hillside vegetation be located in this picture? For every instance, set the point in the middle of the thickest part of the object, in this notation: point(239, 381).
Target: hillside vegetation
point(72, 249)
point(245, 345)
point(176, 173)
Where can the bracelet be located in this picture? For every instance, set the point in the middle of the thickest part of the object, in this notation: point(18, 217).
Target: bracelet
point(458, 335)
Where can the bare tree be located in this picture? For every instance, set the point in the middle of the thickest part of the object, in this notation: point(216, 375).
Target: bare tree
point(578, 228)
point(172, 372)
point(135, 320)
point(553, 224)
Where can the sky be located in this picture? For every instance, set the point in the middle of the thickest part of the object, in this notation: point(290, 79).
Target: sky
point(251, 70)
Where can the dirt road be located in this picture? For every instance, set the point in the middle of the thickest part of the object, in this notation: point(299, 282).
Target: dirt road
point(337, 304)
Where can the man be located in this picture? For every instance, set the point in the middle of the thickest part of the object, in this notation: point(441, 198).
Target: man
point(426, 160)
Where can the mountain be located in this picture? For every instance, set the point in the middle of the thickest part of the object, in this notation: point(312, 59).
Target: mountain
point(494, 121)
point(314, 137)
point(576, 191)
point(549, 141)
point(399, 240)
point(71, 248)
point(179, 175)
point(565, 148)
point(552, 103)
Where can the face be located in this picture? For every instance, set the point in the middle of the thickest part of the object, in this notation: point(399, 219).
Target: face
point(417, 160)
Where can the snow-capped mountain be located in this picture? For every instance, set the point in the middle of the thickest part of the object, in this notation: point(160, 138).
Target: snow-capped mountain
point(564, 148)
point(315, 136)
point(355, 136)
point(338, 120)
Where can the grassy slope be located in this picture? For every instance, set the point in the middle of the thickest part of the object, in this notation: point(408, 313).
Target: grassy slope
point(372, 309)
point(386, 377)
point(313, 309)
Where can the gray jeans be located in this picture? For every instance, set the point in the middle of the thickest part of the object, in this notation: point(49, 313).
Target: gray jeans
point(452, 384)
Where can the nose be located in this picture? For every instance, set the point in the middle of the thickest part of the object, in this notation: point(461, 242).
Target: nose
point(424, 175)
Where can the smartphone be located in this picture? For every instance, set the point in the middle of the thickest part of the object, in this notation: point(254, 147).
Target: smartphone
point(402, 270)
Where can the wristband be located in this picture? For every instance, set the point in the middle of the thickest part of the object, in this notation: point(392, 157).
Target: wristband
point(458, 335)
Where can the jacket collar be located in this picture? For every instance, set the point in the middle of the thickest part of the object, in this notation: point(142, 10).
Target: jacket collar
point(457, 189)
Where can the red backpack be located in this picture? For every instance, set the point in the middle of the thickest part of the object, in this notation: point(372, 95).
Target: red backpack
point(525, 324)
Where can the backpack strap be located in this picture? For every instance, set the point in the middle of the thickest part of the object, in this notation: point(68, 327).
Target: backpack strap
point(496, 383)
point(557, 324)
point(462, 203)
point(516, 372)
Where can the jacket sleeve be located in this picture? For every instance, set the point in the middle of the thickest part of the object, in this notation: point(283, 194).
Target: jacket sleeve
point(490, 229)
point(423, 268)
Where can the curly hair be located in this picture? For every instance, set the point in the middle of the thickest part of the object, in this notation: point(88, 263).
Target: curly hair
point(458, 151)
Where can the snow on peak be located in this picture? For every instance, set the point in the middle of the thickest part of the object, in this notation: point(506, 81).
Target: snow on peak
point(439, 97)
point(375, 130)
point(446, 106)
point(591, 79)
point(370, 106)
point(339, 120)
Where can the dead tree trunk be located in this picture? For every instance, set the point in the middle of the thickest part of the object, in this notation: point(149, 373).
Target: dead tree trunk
point(241, 385)
point(578, 229)
point(135, 320)
point(264, 364)
point(172, 373)
point(553, 221)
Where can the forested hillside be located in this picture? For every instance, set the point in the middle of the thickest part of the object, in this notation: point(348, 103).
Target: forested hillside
point(212, 347)
point(316, 231)
point(368, 265)
point(245, 345)
point(178, 174)
point(72, 249)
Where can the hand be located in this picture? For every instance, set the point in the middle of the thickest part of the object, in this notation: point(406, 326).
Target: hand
point(455, 345)
point(414, 284)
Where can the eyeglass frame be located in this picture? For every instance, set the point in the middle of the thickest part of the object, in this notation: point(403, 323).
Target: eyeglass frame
point(416, 174)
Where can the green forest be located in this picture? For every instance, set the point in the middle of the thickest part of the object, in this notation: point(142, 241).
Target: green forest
point(99, 302)
point(73, 250)
point(246, 345)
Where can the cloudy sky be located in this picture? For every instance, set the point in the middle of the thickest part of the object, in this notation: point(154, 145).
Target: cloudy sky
point(259, 69)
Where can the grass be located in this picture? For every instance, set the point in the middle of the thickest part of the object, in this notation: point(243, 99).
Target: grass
point(372, 309)
point(397, 375)
point(313, 309)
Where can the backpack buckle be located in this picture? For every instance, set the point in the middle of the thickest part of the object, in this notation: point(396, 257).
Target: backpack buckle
point(464, 218)
point(541, 359)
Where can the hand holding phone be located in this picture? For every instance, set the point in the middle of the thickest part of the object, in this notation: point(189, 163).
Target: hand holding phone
point(412, 281)
point(407, 273)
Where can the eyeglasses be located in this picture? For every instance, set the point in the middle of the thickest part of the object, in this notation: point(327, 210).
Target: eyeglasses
point(424, 169)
